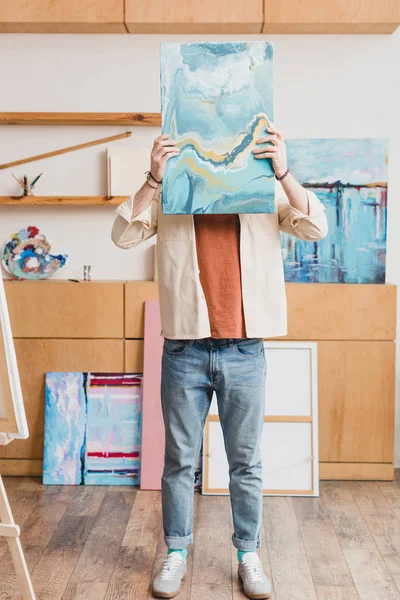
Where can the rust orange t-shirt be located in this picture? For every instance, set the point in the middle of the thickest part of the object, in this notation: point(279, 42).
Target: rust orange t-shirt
point(218, 255)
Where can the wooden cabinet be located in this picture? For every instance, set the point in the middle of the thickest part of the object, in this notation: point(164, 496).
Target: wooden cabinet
point(356, 401)
point(207, 16)
point(36, 357)
point(62, 16)
point(59, 326)
point(63, 309)
point(136, 294)
point(341, 312)
point(99, 326)
point(355, 327)
point(134, 353)
point(331, 16)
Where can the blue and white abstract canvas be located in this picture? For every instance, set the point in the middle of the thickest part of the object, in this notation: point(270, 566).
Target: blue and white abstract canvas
point(349, 176)
point(92, 432)
point(217, 99)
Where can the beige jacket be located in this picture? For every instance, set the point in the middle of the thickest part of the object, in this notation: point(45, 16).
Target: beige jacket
point(183, 307)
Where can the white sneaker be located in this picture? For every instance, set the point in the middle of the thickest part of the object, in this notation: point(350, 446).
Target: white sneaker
point(255, 583)
point(168, 582)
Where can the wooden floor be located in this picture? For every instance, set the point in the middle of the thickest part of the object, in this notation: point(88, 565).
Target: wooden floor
point(92, 543)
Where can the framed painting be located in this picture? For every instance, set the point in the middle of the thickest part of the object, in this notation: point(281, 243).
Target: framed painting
point(289, 441)
point(350, 177)
point(216, 101)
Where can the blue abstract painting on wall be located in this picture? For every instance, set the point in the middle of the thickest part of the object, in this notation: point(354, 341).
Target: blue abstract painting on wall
point(349, 176)
point(92, 428)
point(216, 101)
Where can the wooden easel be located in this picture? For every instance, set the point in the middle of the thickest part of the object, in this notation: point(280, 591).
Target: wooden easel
point(13, 426)
point(11, 531)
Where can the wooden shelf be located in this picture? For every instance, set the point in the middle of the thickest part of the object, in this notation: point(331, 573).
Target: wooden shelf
point(73, 118)
point(58, 200)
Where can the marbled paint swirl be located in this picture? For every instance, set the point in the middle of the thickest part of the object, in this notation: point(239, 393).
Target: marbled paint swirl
point(217, 99)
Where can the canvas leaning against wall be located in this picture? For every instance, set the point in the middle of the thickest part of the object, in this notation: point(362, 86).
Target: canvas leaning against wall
point(217, 99)
point(349, 176)
point(92, 429)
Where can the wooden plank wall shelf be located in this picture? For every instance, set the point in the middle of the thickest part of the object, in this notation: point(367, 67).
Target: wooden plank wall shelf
point(75, 118)
point(63, 200)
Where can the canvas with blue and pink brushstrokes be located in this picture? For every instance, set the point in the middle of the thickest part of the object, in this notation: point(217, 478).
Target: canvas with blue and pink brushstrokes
point(113, 433)
point(92, 428)
point(65, 428)
point(216, 101)
point(349, 176)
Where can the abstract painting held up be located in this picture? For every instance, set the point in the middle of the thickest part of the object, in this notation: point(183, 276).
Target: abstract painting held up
point(349, 176)
point(217, 100)
point(92, 428)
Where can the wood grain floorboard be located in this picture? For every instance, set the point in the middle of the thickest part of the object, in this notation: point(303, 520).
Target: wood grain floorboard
point(382, 523)
point(36, 530)
point(290, 568)
point(98, 543)
point(85, 591)
point(144, 523)
point(97, 560)
point(212, 548)
point(367, 567)
point(391, 491)
point(87, 501)
point(131, 578)
point(52, 573)
point(210, 591)
point(329, 569)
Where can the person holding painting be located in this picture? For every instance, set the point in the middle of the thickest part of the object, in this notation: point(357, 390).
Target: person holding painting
point(222, 291)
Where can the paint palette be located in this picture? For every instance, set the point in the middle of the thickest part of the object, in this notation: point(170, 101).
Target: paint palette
point(26, 255)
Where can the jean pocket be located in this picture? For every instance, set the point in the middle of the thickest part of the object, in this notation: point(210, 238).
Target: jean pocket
point(249, 347)
point(176, 346)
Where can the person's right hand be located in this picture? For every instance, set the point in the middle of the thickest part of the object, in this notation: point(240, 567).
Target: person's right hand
point(163, 149)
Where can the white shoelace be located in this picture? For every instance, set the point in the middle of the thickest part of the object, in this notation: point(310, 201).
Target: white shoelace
point(169, 566)
point(254, 571)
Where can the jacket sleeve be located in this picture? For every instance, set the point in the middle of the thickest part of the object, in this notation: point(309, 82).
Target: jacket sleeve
point(127, 232)
point(311, 227)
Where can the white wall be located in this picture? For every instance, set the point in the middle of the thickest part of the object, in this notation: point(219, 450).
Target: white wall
point(325, 86)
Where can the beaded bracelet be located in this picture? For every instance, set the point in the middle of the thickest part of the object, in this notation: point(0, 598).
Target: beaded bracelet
point(148, 173)
point(282, 176)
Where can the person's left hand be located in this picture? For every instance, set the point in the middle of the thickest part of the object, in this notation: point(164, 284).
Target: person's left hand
point(276, 152)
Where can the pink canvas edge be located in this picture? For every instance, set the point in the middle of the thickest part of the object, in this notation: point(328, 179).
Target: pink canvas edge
point(153, 437)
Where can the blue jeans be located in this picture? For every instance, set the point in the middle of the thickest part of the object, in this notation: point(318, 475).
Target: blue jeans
point(191, 371)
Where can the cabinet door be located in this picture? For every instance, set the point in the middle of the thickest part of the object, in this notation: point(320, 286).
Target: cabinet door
point(134, 356)
point(35, 358)
point(356, 401)
point(72, 16)
point(62, 309)
point(207, 16)
point(136, 294)
point(331, 16)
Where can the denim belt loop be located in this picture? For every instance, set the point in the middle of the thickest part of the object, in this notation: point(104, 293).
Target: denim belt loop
point(231, 342)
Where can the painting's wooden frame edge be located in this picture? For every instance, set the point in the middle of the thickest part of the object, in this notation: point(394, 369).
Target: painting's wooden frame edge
point(312, 418)
point(14, 425)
